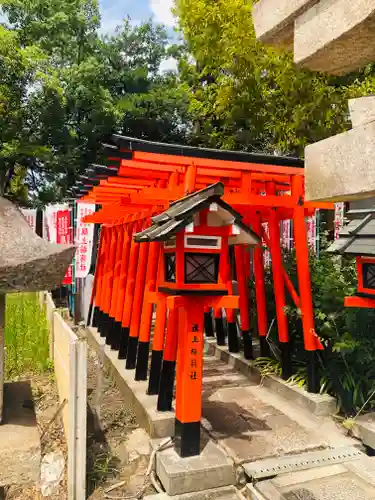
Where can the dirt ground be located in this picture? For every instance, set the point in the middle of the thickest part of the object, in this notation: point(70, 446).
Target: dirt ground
point(118, 450)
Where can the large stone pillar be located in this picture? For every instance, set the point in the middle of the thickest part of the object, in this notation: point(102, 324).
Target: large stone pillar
point(341, 168)
point(2, 352)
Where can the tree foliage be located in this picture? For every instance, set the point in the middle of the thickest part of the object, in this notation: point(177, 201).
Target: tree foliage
point(253, 97)
point(65, 88)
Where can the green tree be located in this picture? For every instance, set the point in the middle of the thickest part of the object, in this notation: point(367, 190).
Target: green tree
point(64, 29)
point(75, 88)
point(249, 96)
point(21, 68)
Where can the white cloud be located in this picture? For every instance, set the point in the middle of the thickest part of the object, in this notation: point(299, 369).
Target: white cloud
point(110, 18)
point(110, 23)
point(113, 12)
point(108, 26)
point(162, 11)
point(169, 64)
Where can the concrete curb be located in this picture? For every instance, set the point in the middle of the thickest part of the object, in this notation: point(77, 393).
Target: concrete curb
point(156, 424)
point(321, 405)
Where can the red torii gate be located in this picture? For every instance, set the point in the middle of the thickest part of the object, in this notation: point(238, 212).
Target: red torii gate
point(142, 180)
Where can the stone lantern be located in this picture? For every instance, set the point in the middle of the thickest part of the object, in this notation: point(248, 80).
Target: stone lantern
point(27, 263)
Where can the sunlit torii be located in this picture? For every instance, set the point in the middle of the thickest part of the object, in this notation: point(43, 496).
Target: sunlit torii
point(142, 180)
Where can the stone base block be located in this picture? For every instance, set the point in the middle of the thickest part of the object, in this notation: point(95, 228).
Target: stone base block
point(157, 424)
point(365, 430)
point(227, 493)
point(211, 469)
point(20, 451)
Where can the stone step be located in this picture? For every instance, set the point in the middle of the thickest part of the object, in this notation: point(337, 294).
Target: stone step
point(318, 404)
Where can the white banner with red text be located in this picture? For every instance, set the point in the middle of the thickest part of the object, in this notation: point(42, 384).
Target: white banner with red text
point(30, 216)
point(84, 240)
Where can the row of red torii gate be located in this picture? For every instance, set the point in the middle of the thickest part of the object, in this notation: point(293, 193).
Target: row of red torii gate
point(169, 216)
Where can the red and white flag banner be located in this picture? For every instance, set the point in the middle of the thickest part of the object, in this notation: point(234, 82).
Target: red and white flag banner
point(266, 253)
point(64, 236)
point(84, 240)
point(312, 232)
point(30, 216)
point(339, 218)
point(50, 221)
point(286, 234)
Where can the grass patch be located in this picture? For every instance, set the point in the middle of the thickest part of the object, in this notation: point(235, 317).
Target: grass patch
point(26, 336)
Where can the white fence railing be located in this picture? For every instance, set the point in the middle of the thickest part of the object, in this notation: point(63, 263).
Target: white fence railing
point(70, 362)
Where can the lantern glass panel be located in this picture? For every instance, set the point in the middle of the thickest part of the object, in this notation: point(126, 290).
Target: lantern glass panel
point(369, 276)
point(170, 267)
point(201, 268)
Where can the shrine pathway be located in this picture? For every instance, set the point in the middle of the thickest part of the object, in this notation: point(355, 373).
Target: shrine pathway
point(251, 422)
point(257, 426)
point(254, 424)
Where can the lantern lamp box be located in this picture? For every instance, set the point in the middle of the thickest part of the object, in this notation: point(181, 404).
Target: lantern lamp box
point(197, 231)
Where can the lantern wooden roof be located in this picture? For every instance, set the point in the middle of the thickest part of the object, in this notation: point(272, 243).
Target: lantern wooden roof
point(182, 212)
point(358, 236)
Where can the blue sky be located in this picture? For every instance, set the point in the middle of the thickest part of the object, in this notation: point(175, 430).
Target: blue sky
point(113, 11)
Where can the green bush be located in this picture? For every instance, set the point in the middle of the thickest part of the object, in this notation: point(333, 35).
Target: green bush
point(26, 336)
point(348, 362)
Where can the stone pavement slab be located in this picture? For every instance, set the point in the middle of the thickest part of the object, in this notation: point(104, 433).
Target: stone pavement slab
point(20, 451)
point(250, 421)
point(336, 482)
